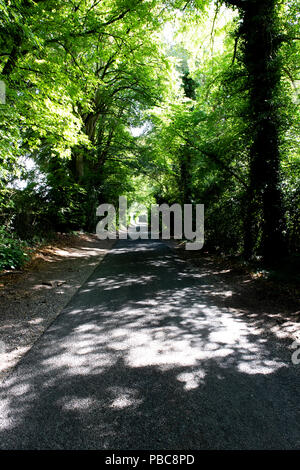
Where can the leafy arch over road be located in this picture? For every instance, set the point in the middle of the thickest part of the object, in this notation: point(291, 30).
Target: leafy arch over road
point(214, 90)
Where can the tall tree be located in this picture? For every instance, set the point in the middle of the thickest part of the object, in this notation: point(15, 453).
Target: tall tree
point(260, 36)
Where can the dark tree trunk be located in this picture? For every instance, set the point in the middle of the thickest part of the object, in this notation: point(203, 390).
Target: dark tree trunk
point(260, 37)
point(14, 54)
point(186, 176)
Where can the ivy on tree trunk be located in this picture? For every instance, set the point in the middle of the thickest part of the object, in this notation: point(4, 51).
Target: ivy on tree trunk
point(260, 42)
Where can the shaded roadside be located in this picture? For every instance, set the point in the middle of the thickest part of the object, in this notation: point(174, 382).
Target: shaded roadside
point(30, 299)
point(272, 304)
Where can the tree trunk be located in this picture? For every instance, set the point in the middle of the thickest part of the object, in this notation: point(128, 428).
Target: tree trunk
point(185, 175)
point(260, 37)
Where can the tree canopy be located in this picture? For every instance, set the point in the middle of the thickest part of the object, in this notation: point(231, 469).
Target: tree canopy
point(174, 101)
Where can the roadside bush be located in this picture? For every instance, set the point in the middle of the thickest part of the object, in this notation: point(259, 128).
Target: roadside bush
point(13, 253)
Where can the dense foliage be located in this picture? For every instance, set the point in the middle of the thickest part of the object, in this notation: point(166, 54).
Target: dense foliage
point(190, 102)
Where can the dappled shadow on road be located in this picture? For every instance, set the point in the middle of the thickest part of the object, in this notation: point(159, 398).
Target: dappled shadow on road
point(31, 299)
point(269, 303)
point(147, 356)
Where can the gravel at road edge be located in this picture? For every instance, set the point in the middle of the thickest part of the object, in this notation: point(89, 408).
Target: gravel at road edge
point(32, 299)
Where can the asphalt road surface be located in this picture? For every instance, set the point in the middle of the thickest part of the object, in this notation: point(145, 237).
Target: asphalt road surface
point(145, 356)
